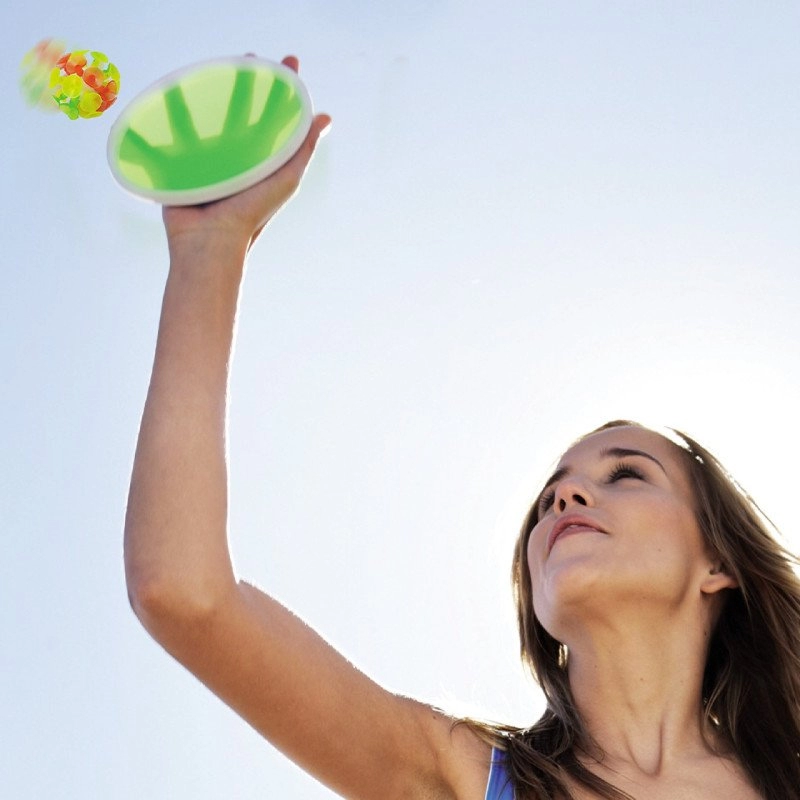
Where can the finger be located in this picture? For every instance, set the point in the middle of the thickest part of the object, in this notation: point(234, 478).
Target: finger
point(293, 62)
point(256, 235)
point(319, 125)
point(289, 175)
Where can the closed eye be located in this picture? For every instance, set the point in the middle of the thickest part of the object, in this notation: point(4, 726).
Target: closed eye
point(546, 501)
point(623, 470)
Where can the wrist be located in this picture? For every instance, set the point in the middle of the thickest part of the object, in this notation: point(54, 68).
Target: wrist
point(209, 246)
point(205, 274)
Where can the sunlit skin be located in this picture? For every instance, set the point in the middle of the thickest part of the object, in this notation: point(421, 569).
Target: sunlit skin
point(652, 553)
point(634, 602)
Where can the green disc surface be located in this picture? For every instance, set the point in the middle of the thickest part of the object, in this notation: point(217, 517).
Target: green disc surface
point(209, 130)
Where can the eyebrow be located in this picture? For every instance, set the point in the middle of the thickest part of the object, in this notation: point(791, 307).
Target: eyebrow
point(624, 452)
point(608, 452)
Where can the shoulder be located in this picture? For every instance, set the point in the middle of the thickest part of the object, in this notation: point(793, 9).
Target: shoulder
point(463, 758)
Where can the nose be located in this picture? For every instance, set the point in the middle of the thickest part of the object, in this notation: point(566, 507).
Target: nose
point(572, 491)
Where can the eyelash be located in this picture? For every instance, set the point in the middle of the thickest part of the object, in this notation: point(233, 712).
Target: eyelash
point(620, 470)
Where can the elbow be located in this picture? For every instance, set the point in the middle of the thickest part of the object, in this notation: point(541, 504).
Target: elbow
point(182, 622)
point(164, 605)
point(148, 598)
point(153, 602)
point(173, 587)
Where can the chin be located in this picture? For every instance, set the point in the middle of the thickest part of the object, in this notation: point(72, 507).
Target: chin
point(573, 591)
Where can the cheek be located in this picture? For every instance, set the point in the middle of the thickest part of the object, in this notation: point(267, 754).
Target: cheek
point(670, 536)
point(535, 553)
point(531, 557)
point(692, 539)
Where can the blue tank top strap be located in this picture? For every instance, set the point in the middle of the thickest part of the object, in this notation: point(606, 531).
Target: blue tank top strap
point(499, 786)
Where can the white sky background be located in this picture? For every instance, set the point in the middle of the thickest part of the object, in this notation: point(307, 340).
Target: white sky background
point(528, 218)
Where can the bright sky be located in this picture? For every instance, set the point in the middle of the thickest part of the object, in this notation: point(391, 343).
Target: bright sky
point(528, 218)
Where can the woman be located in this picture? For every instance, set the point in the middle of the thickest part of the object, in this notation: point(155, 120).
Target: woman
point(661, 619)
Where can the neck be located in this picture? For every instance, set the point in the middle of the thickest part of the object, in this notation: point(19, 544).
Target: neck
point(639, 691)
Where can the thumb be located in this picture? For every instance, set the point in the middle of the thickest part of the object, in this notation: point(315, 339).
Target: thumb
point(291, 173)
point(319, 126)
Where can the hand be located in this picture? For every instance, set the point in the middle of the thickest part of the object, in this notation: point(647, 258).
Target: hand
point(240, 218)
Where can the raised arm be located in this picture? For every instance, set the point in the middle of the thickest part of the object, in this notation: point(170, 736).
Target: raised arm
point(359, 739)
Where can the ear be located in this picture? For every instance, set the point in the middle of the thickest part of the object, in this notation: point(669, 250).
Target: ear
point(717, 578)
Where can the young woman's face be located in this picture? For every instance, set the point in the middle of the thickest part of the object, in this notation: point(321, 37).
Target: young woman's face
point(616, 532)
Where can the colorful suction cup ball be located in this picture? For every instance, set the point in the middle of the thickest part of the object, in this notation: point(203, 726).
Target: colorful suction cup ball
point(84, 86)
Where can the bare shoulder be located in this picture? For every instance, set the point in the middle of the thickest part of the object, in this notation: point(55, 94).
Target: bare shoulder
point(463, 758)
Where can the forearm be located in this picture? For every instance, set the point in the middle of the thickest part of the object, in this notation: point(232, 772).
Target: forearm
point(176, 551)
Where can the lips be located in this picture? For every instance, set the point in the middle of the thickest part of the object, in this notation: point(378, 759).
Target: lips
point(567, 522)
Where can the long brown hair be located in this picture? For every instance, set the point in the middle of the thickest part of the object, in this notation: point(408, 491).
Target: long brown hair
point(751, 684)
